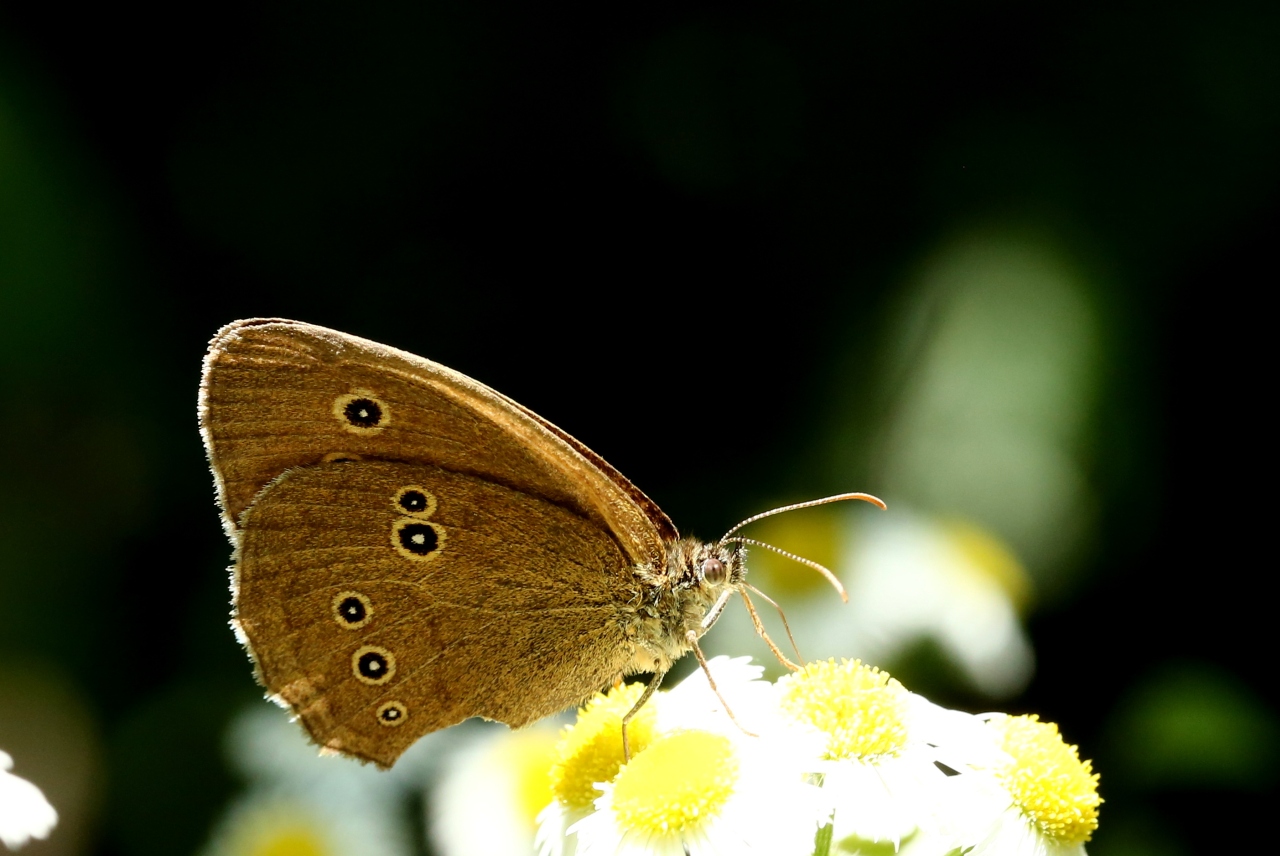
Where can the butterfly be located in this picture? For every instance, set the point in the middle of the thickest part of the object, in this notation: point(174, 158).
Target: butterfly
point(413, 548)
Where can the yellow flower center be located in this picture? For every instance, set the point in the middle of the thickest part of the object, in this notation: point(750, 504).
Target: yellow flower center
point(590, 750)
point(860, 709)
point(289, 842)
point(527, 755)
point(678, 783)
point(1049, 783)
point(992, 558)
point(273, 828)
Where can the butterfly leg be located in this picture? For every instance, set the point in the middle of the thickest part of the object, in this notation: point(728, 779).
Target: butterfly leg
point(713, 614)
point(783, 616)
point(654, 683)
point(692, 636)
point(755, 619)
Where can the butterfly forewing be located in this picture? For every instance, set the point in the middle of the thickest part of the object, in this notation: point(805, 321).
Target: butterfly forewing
point(377, 597)
point(279, 394)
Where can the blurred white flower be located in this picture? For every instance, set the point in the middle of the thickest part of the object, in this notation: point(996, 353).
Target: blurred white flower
point(24, 812)
point(984, 411)
point(488, 794)
point(912, 578)
point(300, 802)
point(267, 748)
point(993, 368)
point(266, 823)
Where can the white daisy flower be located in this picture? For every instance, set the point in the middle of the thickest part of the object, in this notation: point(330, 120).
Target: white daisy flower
point(878, 768)
point(588, 753)
point(24, 812)
point(590, 759)
point(1046, 798)
point(489, 794)
point(698, 792)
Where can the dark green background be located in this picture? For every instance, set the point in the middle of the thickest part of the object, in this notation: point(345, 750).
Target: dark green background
point(635, 220)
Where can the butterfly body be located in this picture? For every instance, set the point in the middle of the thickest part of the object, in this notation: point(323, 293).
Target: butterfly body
point(670, 606)
point(413, 549)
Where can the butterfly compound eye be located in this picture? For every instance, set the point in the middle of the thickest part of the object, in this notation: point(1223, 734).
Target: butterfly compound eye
point(713, 571)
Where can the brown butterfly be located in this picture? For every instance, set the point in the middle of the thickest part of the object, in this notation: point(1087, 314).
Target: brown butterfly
point(413, 549)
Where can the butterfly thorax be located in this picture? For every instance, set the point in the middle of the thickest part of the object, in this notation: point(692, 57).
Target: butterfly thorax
point(667, 606)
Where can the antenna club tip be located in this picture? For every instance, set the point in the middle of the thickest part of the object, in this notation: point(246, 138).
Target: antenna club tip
point(874, 500)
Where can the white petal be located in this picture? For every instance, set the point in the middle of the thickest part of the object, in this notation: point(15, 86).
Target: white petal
point(693, 704)
point(24, 812)
point(476, 804)
point(1014, 835)
point(866, 807)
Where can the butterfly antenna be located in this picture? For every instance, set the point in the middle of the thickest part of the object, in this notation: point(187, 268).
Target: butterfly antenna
point(826, 500)
point(810, 563)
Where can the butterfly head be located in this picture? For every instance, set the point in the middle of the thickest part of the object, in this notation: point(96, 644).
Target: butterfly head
point(708, 567)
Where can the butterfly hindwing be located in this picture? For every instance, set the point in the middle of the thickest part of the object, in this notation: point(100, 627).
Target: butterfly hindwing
point(381, 600)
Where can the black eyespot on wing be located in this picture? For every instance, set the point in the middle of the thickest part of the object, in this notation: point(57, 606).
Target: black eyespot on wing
point(363, 412)
point(415, 500)
point(417, 539)
point(373, 665)
point(392, 713)
point(352, 610)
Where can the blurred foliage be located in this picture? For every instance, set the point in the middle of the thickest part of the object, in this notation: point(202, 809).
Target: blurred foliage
point(1192, 725)
point(697, 238)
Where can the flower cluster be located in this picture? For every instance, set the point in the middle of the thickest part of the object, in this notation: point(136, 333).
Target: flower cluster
point(835, 758)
